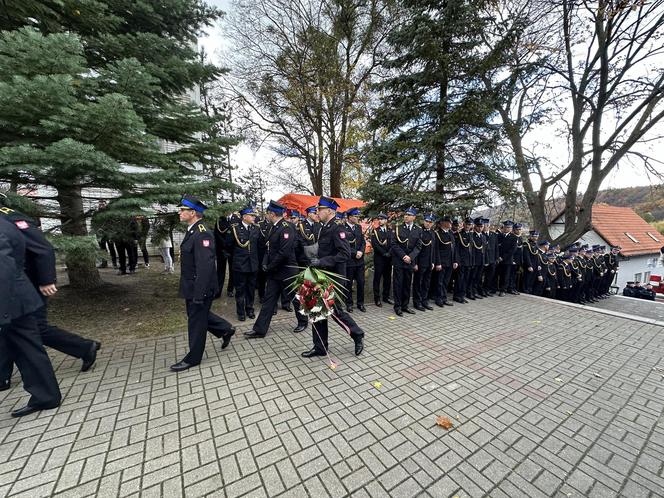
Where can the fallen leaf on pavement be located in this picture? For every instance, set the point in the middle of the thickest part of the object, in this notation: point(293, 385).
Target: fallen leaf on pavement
point(444, 422)
point(598, 375)
point(333, 365)
point(377, 384)
point(558, 379)
point(392, 317)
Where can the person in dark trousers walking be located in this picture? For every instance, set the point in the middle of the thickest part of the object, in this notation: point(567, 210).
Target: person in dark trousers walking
point(382, 262)
point(243, 240)
point(333, 253)
point(18, 327)
point(40, 270)
point(198, 284)
point(355, 265)
point(279, 265)
point(405, 246)
point(446, 260)
point(307, 232)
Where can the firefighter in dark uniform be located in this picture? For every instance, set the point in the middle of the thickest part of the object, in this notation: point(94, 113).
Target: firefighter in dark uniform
point(518, 260)
point(445, 260)
point(333, 253)
point(530, 261)
point(243, 241)
point(506, 248)
point(18, 326)
point(552, 285)
point(279, 264)
point(307, 236)
point(491, 251)
point(355, 265)
point(264, 228)
point(464, 244)
point(198, 284)
point(425, 265)
point(40, 270)
point(612, 265)
point(382, 260)
point(477, 246)
point(539, 269)
point(405, 246)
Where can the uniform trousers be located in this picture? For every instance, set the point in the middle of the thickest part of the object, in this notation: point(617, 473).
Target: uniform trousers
point(221, 270)
point(528, 280)
point(200, 320)
point(505, 275)
point(274, 289)
point(51, 336)
point(245, 287)
point(474, 288)
point(402, 279)
point(382, 272)
point(22, 339)
point(421, 283)
point(461, 282)
point(442, 284)
point(489, 284)
point(355, 274)
point(319, 329)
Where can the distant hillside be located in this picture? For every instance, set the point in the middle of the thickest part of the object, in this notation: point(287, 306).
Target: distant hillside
point(647, 201)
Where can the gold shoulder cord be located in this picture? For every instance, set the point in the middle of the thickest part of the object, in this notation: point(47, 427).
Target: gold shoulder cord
point(396, 232)
point(549, 270)
point(427, 245)
point(237, 239)
point(441, 240)
point(530, 248)
point(462, 242)
point(566, 271)
point(304, 234)
point(381, 242)
point(474, 244)
point(220, 230)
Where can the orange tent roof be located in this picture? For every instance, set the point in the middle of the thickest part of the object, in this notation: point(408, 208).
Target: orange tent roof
point(302, 202)
point(622, 226)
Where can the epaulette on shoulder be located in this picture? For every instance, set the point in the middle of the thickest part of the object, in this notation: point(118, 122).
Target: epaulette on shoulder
point(201, 228)
point(285, 223)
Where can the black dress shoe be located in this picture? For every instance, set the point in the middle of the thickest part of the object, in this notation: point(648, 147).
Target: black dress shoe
point(313, 352)
point(448, 304)
point(180, 366)
point(464, 301)
point(514, 293)
point(251, 315)
point(359, 347)
point(274, 312)
point(27, 410)
point(440, 304)
point(349, 308)
point(378, 303)
point(472, 298)
point(409, 311)
point(361, 308)
point(419, 307)
point(91, 357)
point(388, 301)
point(501, 294)
point(253, 335)
point(398, 312)
point(242, 318)
point(226, 340)
point(300, 328)
point(426, 306)
point(478, 296)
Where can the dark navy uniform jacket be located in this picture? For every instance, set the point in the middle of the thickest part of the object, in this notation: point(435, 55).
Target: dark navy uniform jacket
point(306, 234)
point(427, 255)
point(507, 248)
point(357, 243)
point(18, 297)
point(280, 259)
point(333, 248)
point(478, 248)
point(198, 268)
point(380, 242)
point(244, 245)
point(464, 248)
point(446, 250)
point(40, 255)
point(405, 242)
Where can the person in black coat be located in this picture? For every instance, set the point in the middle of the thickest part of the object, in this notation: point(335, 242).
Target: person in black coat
point(405, 246)
point(464, 244)
point(446, 260)
point(530, 261)
point(355, 264)
point(380, 239)
point(40, 270)
point(18, 326)
point(507, 247)
point(333, 253)
point(477, 271)
point(280, 266)
point(491, 251)
point(425, 265)
point(243, 241)
point(198, 284)
point(307, 231)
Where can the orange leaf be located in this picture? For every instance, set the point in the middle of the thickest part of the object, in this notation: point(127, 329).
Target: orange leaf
point(444, 422)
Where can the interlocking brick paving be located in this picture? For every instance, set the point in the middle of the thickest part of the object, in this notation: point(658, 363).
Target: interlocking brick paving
point(653, 310)
point(546, 400)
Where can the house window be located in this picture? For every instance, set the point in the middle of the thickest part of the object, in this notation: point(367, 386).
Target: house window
point(652, 262)
point(652, 237)
point(646, 277)
point(631, 237)
point(637, 277)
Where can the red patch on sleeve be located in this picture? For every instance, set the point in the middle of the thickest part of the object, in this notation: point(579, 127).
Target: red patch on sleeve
point(285, 235)
point(23, 225)
point(206, 243)
point(342, 235)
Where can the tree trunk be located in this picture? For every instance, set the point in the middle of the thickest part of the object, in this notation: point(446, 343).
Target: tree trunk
point(440, 153)
point(81, 268)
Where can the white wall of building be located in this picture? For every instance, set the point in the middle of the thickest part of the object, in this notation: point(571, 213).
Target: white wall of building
point(638, 268)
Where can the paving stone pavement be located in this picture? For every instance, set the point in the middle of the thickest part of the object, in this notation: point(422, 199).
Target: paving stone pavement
point(546, 401)
point(643, 308)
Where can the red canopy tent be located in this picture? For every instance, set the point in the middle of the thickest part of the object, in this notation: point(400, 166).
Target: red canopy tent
point(302, 202)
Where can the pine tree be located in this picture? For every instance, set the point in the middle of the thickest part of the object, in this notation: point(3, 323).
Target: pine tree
point(435, 145)
point(89, 90)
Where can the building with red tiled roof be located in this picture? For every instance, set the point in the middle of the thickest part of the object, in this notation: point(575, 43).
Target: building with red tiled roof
point(621, 226)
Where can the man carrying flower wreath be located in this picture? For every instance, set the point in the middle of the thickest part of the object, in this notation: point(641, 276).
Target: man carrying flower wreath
point(333, 253)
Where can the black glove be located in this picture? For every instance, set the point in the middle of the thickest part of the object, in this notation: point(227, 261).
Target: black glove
point(314, 262)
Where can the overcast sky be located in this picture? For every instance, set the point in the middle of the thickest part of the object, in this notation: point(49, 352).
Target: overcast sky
point(244, 157)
